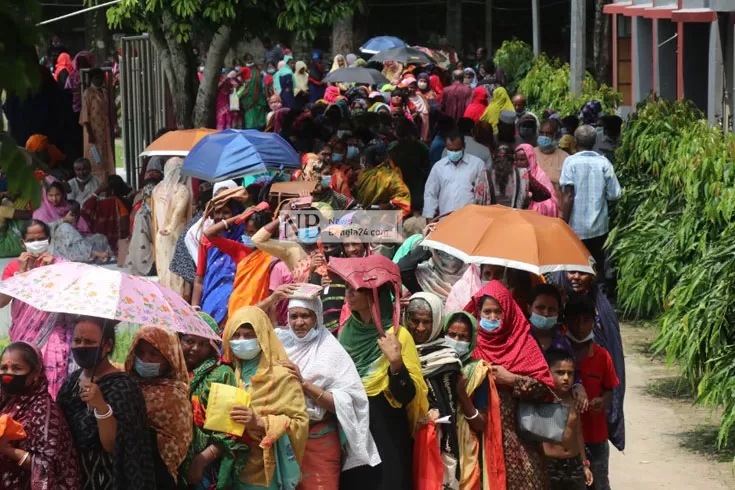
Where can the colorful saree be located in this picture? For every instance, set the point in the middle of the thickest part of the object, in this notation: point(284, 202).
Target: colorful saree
point(382, 185)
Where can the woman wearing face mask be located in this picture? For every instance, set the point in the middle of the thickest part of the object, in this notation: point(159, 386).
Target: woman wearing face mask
point(96, 124)
point(549, 156)
point(478, 414)
point(252, 266)
point(441, 367)
point(276, 423)
point(513, 184)
point(211, 454)
point(521, 373)
point(156, 362)
point(539, 184)
point(106, 413)
point(547, 330)
point(335, 398)
point(46, 457)
point(49, 331)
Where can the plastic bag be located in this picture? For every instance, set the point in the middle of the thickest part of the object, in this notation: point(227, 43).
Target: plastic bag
point(221, 399)
point(428, 469)
point(234, 101)
point(10, 430)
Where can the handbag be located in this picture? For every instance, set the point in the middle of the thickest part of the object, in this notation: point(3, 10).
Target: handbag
point(543, 422)
point(371, 272)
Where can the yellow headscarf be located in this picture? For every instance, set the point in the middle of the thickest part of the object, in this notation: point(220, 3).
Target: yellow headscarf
point(276, 395)
point(501, 102)
point(335, 63)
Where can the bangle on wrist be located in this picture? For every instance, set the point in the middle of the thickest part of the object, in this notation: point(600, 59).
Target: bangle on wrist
point(474, 416)
point(24, 458)
point(586, 463)
point(105, 415)
point(320, 395)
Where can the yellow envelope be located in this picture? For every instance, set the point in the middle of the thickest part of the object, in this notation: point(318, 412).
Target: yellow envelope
point(221, 399)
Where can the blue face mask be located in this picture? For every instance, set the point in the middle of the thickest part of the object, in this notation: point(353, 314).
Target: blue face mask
point(459, 346)
point(543, 322)
point(352, 152)
point(546, 142)
point(564, 131)
point(308, 235)
point(247, 241)
point(245, 349)
point(455, 156)
point(326, 180)
point(237, 68)
point(146, 369)
point(337, 157)
point(489, 325)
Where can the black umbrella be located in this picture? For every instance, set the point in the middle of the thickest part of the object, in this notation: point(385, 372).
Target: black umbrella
point(357, 74)
point(404, 54)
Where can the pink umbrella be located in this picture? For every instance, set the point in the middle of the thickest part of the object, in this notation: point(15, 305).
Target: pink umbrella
point(82, 289)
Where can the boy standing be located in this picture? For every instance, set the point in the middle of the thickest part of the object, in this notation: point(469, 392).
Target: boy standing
point(598, 378)
point(566, 464)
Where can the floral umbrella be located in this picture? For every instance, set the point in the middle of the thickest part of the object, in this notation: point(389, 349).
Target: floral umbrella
point(82, 289)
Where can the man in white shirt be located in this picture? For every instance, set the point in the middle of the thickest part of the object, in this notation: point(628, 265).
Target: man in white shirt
point(84, 185)
point(453, 179)
point(471, 145)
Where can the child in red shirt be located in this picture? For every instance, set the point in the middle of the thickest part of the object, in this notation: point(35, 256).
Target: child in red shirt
point(599, 379)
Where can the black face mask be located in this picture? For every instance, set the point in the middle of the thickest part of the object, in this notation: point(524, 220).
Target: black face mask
point(333, 253)
point(86, 357)
point(13, 384)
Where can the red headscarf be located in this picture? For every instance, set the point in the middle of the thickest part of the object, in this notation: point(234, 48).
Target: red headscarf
point(478, 105)
point(511, 345)
point(63, 62)
point(436, 85)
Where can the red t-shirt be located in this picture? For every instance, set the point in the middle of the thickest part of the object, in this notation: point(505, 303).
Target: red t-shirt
point(598, 375)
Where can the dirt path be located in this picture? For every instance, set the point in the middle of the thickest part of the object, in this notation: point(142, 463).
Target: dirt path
point(655, 430)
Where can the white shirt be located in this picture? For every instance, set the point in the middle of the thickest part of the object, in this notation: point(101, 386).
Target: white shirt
point(79, 195)
point(476, 149)
point(451, 186)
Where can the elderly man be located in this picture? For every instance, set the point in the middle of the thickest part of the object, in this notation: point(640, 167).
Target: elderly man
point(453, 179)
point(84, 185)
point(456, 97)
point(588, 182)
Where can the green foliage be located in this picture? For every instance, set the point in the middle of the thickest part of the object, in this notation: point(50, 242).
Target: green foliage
point(516, 59)
point(674, 243)
point(546, 86)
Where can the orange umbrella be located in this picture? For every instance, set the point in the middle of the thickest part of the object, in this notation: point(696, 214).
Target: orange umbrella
point(176, 143)
point(520, 239)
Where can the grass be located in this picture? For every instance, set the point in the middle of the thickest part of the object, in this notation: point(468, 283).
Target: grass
point(703, 440)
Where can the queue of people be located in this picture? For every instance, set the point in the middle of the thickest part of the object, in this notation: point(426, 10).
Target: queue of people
point(415, 380)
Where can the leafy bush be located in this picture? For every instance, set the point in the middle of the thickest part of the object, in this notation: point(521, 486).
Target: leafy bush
point(515, 58)
point(674, 243)
point(546, 86)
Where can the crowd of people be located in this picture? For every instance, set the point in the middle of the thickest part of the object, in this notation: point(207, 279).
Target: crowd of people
point(412, 380)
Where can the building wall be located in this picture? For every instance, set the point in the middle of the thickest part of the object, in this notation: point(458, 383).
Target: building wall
point(666, 66)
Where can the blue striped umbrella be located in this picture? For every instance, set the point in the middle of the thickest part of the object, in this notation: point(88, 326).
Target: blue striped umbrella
point(239, 152)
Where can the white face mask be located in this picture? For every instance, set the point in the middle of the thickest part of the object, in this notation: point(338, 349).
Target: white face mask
point(245, 349)
point(460, 346)
point(310, 335)
point(574, 339)
point(422, 85)
point(36, 248)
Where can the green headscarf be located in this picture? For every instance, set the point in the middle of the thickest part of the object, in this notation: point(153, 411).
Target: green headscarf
point(360, 339)
point(473, 334)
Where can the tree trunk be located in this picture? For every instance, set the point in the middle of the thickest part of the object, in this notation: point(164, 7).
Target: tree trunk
point(601, 42)
point(181, 71)
point(342, 42)
point(454, 24)
point(205, 107)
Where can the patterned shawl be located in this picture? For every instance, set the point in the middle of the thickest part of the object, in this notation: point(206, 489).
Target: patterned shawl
point(166, 397)
point(548, 207)
point(54, 463)
point(438, 274)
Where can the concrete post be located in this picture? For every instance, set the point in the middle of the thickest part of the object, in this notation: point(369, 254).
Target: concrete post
point(536, 28)
point(489, 27)
point(578, 43)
